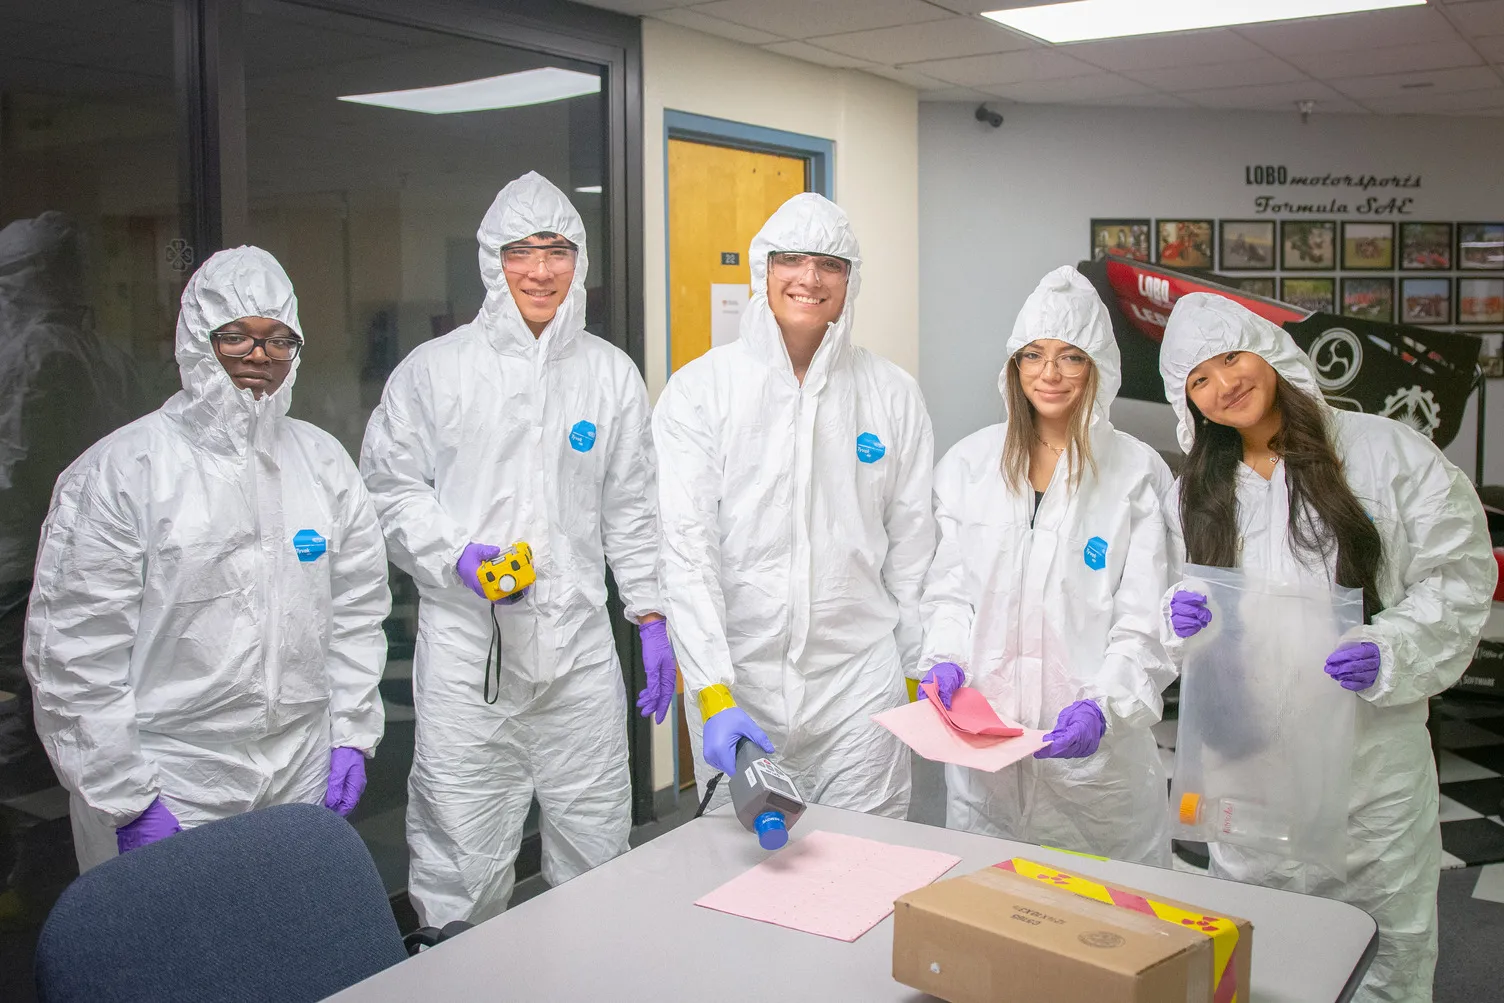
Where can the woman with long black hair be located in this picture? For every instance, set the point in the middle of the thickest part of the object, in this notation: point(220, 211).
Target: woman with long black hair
point(1278, 483)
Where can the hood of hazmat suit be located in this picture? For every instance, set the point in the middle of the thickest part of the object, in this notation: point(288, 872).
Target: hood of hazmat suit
point(492, 435)
point(1436, 584)
point(1044, 608)
point(210, 588)
point(61, 387)
point(797, 528)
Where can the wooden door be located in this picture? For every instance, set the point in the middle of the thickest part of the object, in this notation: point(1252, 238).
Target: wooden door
point(718, 198)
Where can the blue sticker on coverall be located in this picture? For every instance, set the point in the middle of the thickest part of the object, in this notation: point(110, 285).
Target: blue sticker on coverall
point(1095, 553)
point(309, 545)
point(869, 448)
point(582, 436)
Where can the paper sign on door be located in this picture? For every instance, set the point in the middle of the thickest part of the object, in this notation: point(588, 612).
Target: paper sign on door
point(727, 301)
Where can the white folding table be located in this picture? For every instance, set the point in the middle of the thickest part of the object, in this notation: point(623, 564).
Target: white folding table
point(630, 930)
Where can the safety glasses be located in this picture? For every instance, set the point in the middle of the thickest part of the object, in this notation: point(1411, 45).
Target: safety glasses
point(792, 264)
point(1070, 364)
point(521, 258)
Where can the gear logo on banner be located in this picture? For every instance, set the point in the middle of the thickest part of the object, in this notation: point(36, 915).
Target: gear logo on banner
point(1416, 408)
point(1338, 356)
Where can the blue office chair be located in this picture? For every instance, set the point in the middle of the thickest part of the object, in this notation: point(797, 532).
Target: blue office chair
point(281, 904)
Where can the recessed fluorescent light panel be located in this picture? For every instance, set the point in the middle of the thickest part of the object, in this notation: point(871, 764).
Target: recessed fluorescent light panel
point(510, 90)
point(1089, 19)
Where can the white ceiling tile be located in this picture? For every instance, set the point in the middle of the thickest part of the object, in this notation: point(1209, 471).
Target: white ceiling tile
point(1272, 96)
point(1468, 78)
point(807, 18)
point(1484, 17)
point(907, 76)
point(1005, 68)
point(1421, 103)
point(1344, 32)
point(955, 36)
point(1197, 48)
point(1068, 91)
point(977, 6)
point(966, 94)
point(1392, 59)
point(1267, 70)
point(638, 6)
point(1492, 47)
point(814, 54)
point(714, 26)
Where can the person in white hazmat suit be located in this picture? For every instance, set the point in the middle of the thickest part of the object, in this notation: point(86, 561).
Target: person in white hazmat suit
point(519, 426)
point(204, 636)
point(794, 496)
point(1326, 496)
point(1044, 593)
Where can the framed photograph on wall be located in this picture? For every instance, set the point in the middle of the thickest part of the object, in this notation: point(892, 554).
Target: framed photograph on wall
point(1246, 244)
point(1368, 246)
point(1480, 301)
point(1184, 243)
point(1480, 246)
point(1368, 298)
point(1425, 246)
point(1425, 301)
point(1308, 245)
point(1491, 354)
point(1128, 237)
point(1260, 286)
point(1315, 295)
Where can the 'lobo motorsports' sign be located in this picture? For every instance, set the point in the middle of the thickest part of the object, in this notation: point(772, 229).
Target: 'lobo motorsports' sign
point(1331, 194)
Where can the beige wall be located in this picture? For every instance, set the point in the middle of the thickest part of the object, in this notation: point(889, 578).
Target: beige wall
point(874, 124)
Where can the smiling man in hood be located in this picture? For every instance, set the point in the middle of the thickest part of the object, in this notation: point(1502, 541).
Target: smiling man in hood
point(519, 426)
point(794, 490)
point(204, 636)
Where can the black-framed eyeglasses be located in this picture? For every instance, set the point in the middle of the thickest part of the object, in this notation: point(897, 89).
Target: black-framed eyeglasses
point(278, 348)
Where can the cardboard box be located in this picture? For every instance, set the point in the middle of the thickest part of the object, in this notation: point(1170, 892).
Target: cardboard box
point(1026, 932)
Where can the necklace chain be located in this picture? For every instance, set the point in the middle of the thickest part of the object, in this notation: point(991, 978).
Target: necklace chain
point(1059, 450)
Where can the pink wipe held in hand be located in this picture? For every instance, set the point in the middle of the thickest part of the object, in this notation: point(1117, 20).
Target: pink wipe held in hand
point(970, 712)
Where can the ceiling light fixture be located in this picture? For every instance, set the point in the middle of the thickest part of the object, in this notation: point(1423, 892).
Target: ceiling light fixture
point(589, 189)
point(1091, 19)
point(510, 90)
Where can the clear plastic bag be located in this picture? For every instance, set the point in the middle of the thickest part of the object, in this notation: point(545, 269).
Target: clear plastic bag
point(1264, 748)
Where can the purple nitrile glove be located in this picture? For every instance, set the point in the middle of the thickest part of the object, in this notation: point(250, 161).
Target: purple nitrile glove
point(156, 822)
point(1355, 667)
point(1188, 612)
point(347, 779)
point(662, 672)
point(468, 566)
point(947, 677)
point(723, 733)
point(1078, 732)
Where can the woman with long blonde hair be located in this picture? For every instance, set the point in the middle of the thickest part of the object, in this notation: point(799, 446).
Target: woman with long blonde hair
point(1044, 592)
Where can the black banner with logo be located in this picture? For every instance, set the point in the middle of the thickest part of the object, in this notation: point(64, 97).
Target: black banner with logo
point(1420, 377)
point(1412, 374)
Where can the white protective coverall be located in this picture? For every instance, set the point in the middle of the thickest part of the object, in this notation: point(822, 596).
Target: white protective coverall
point(1065, 610)
point(210, 587)
point(491, 435)
point(1436, 584)
point(797, 528)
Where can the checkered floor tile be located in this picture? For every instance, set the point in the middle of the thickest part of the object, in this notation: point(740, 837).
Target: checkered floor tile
point(1470, 735)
